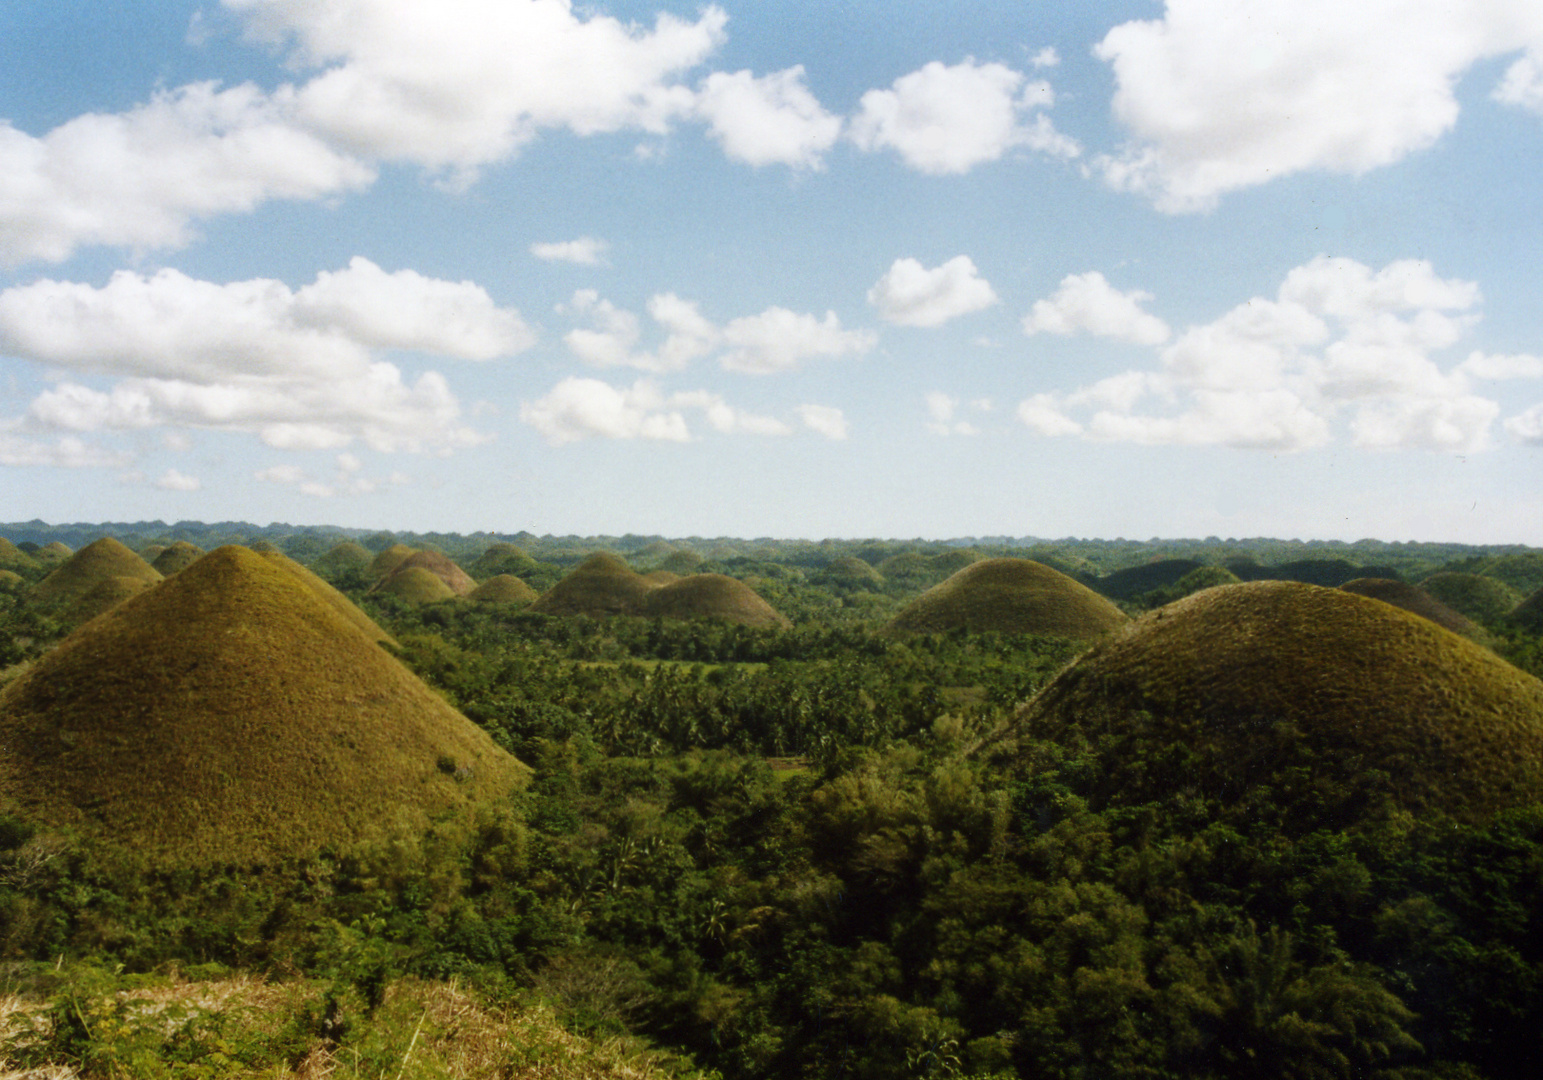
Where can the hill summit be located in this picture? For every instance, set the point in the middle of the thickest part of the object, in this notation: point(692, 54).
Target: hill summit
point(1309, 706)
point(1011, 596)
point(602, 584)
point(712, 596)
point(233, 714)
point(93, 564)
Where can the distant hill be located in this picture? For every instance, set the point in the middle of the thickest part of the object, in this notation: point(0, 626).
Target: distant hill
point(389, 559)
point(1011, 596)
point(603, 584)
point(343, 558)
point(231, 715)
point(1125, 584)
point(95, 563)
point(415, 585)
point(458, 581)
point(503, 589)
point(1316, 705)
point(1414, 599)
point(1482, 599)
point(714, 597)
point(178, 556)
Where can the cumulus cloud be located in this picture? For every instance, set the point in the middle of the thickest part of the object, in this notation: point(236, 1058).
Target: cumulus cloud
point(827, 420)
point(943, 414)
point(68, 452)
point(911, 295)
point(579, 408)
point(172, 480)
point(1495, 366)
point(1089, 304)
point(585, 251)
point(348, 479)
point(775, 340)
point(769, 120)
point(297, 368)
point(468, 82)
point(949, 119)
point(1220, 95)
point(781, 340)
point(143, 177)
point(1339, 340)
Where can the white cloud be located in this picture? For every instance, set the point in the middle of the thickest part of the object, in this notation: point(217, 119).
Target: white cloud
point(65, 453)
point(1523, 82)
point(172, 480)
point(141, 178)
point(578, 409)
point(1221, 95)
point(610, 342)
point(468, 82)
point(780, 340)
point(1088, 303)
point(585, 251)
point(911, 295)
point(349, 479)
point(1494, 366)
point(943, 120)
point(296, 368)
point(827, 420)
point(943, 413)
point(1046, 57)
point(769, 120)
point(1338, 340)
point(1527, 427)
point(280, 474)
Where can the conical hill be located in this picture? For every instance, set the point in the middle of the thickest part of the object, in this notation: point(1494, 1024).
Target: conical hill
point(179, 556)
point(11, 555)
point(230, 715)
point(1482, 599)
point(501, 558)
point(852, 571)
point(458, 581)
point(502, 589)
point(329, 595)
point(712, 596)
point(54, 551)
point(1414, 599)
point(343, 558)
point(389, 560)
point(92, 564)
point(103, 596)
point(1308, 706)
point(1011, 596)
point(600, 585)
point(415, 585)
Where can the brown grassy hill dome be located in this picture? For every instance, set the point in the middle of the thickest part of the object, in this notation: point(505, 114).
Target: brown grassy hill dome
point(343, 558)
point(850, 570)
point(712, 596)
point(657, 579)
point(1521, 570)
point(179, 556)
point(681, 562)
point(103, 596)
point(11, 555)
point(1414, 599)
point(906, 565)
point(458, 581)
point(265, 547)
point(1482, 599)
point(336, 600)
point(654, 551)
point(1011, 596)
point(600, 585)
point(229, 715)
point(954, 560)
point(94, 563)
point(1310, 706)
point(10, 579)
point(152, 552)
point(389, 560)
point(415, 585)
point(503, 589)
point(54, 551)
point(502, 558)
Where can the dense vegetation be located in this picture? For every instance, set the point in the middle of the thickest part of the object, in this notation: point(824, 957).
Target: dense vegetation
point(810, 850)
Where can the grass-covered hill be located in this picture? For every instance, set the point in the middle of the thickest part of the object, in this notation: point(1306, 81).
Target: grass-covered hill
point(711, 596)
point(343, 558)
point(503, 589)
point(103, 596)
point(232, 715)
point(1482, 599)
point(176, 557)
point(603, 584)
point(1412, 598)
point(1324, 706)
point(330, 596)
point(502, 558)
point(850, 571)
point(458, 581)
point(1521, 570)
point(96, 562)
point(389, 559)
point(681, 562)
point(1134, 580)
point(1010, 596)
point(13, 556)
point(413, 585)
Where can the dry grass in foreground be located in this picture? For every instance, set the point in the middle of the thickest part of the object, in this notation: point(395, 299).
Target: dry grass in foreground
point(245, 1027)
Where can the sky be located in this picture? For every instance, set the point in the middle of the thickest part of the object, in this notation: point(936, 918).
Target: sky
point(843, 268)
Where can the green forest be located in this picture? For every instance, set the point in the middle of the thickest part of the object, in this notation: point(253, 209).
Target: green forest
point(1237, 809)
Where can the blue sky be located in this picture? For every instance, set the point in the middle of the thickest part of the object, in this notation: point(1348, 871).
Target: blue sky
point(824, 269)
